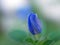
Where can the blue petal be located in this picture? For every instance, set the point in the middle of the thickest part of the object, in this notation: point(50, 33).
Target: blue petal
point(30, 26)
point(34, 24)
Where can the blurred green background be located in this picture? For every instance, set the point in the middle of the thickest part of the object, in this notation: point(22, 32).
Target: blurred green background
point(14, 27)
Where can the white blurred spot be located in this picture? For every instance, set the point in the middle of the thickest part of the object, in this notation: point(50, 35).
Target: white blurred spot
point(13, 4)
point(50, 9)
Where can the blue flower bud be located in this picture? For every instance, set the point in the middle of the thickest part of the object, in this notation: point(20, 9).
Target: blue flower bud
point(34, 24)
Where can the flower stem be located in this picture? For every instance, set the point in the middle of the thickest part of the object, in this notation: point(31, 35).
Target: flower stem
point(37, 37)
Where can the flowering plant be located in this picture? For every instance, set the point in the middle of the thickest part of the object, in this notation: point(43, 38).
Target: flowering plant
point(36, 35)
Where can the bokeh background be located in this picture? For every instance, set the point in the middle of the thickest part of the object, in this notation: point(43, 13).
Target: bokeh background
point(14, 25)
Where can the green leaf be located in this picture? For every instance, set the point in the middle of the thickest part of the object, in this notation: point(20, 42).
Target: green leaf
point(18, 35)
point(29, 40)
point(57, 43)
point(54, 36)
point(45, 42)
